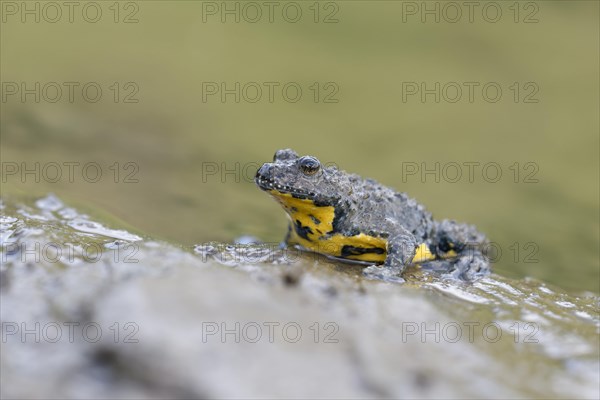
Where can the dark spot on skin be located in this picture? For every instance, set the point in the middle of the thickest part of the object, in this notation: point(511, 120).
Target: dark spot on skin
point(105, 357)
point(356, 251)
point(294, 209)
point(302, 231)
point(320, 233)
point(331, 291)
point(323, 203)
point(316, 220)
point(445, 245)
point(422, 380)
point(290, 279)
point(339, 218)
point(4, 280)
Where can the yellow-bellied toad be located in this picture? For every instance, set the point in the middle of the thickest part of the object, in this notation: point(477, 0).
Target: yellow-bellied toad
point(345, 216)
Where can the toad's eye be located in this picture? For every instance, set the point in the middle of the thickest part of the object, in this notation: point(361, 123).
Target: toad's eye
point(309, 165)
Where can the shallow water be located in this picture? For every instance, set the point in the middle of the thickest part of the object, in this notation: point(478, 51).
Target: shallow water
point(142, 318)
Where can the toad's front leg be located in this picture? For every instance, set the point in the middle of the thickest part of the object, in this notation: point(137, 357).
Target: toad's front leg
point(401, 249)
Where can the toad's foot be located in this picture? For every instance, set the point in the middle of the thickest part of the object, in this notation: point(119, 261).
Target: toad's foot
point(461, 250)
point(469, 266)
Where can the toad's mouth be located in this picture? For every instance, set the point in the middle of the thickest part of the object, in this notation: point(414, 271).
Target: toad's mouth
point(268, 184)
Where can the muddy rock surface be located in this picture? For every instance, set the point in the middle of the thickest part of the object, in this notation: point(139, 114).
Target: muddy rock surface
point(90, 310)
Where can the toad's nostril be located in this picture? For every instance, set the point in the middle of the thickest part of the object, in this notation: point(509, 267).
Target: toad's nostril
point(264, 172)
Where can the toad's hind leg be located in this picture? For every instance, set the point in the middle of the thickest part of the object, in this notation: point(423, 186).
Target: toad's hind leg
point(460, 250)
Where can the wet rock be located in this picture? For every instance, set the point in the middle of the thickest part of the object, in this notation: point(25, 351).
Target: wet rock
point(103, 313)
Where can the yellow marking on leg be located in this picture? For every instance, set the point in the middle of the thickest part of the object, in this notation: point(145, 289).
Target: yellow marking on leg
point(450, 254)
point(423, 254)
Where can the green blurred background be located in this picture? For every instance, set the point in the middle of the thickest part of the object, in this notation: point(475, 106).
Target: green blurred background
point(172, 135)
